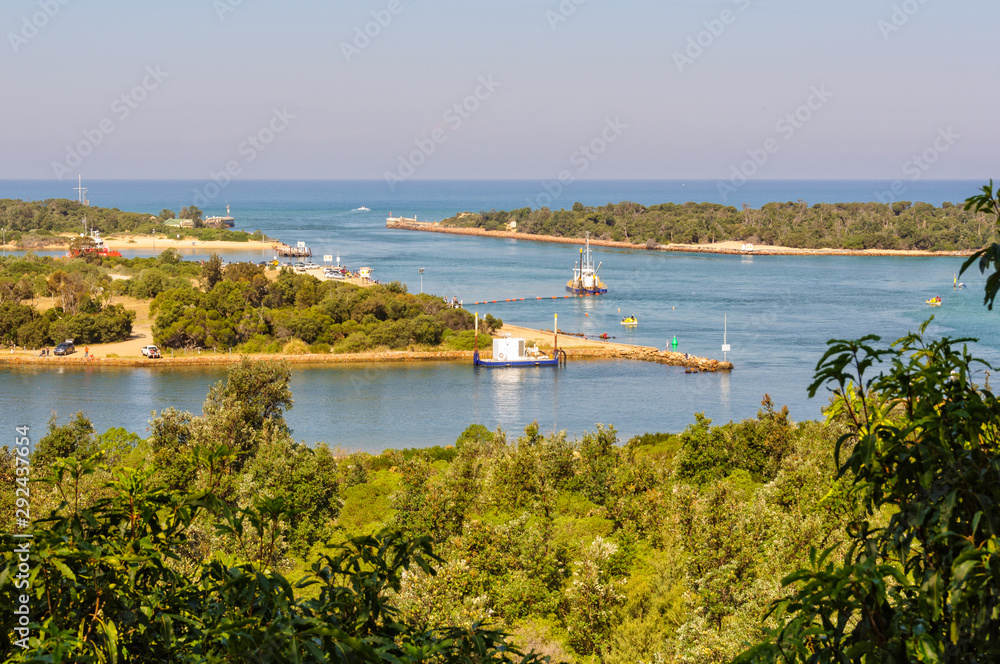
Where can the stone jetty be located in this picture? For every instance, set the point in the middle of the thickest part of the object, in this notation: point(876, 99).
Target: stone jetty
point(692, 363)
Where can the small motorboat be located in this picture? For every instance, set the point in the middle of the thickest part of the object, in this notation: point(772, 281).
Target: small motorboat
point(630, 321)
point(362, 209)
point(934, 301)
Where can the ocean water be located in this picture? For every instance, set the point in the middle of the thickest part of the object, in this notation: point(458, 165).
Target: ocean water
point(776, 313)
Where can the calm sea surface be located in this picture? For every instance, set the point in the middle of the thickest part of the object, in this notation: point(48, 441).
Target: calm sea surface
point(777, 312)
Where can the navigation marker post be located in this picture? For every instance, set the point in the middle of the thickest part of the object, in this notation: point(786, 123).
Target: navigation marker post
point(725, 346)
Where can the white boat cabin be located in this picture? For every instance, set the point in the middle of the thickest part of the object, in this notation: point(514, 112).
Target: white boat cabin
point(512, 349)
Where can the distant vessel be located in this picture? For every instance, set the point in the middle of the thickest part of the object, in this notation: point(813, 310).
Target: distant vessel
point(98, 249)
point(511, 352)
point(630, 321)
point(221, 222)
point(362, 209)
point(585, 280)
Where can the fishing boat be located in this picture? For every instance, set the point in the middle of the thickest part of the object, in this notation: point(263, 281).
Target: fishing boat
point(585, 280)
point(630, 321)
point(934, 301)
point(512, 352)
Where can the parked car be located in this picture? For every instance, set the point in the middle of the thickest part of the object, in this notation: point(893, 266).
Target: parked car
point(65, 348)
point(151, 351)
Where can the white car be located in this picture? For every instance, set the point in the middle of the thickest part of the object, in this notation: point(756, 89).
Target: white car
point(150, 351)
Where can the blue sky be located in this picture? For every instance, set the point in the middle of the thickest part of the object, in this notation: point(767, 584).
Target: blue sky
point(585, 88)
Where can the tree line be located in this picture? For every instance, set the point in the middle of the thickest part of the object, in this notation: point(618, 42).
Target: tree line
point(38, 223)
point(239, 307)
point(901, 225)
point(83, 307)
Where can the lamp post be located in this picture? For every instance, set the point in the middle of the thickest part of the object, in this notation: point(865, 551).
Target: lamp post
point(421, 272)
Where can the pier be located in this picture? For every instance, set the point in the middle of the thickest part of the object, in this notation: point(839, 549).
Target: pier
point(401, 222)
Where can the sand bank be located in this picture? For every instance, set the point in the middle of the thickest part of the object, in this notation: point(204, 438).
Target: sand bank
point(158, 243)
point(129, 354)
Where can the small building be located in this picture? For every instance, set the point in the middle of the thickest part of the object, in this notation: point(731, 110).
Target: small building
point(507, 348)
point(512, 225)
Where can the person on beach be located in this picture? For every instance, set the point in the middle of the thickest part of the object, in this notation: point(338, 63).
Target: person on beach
point(86, 352)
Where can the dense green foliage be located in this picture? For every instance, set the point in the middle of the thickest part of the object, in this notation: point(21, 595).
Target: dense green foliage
point(987, 202)
point(902, 225)
point(582, 549)
point(247, 311)
point(669, 548)
point(178, 561)
point(34, 223)
point(921, 447)
point(237, 306)
point(83, 310)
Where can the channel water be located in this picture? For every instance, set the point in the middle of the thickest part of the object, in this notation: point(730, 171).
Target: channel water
point(776, 313)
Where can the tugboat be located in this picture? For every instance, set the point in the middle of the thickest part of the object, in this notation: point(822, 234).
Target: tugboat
point(511, 352)
point(585, 280)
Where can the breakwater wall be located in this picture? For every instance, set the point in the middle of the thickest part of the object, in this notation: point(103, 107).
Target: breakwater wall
point(616, 352)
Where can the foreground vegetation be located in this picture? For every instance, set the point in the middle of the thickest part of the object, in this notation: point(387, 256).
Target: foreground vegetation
point(872, 534)
point(902, 225)
point(231, 530)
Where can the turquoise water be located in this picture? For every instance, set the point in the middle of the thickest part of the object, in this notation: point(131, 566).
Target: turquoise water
point(779, 312)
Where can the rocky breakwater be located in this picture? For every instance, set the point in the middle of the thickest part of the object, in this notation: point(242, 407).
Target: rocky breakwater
point(692, 363)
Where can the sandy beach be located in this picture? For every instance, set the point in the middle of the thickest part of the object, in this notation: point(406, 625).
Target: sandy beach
point(158, 243)
point(129, 353)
